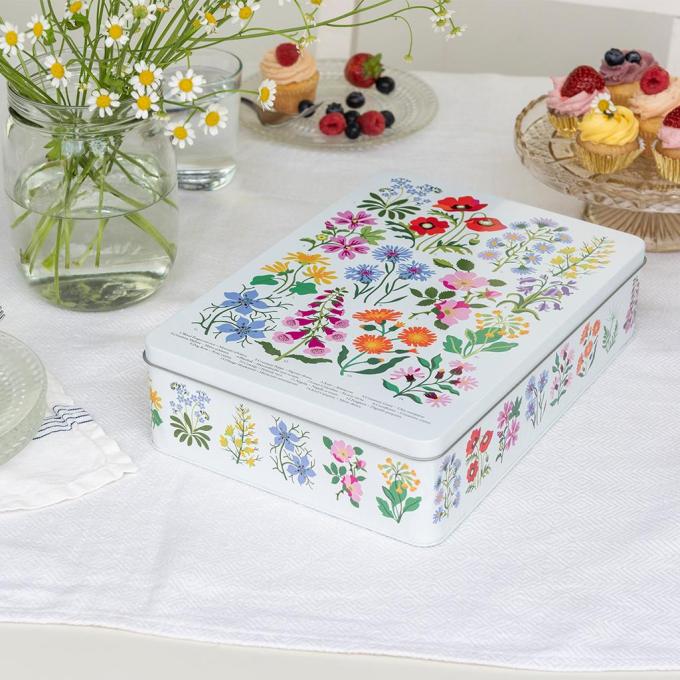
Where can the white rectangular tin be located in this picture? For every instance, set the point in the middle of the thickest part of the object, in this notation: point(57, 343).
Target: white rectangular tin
point(479, 321)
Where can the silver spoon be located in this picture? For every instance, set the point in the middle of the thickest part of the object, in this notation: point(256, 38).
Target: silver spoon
point(275, 119)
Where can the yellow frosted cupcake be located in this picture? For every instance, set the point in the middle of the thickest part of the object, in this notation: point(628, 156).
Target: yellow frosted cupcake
point(607, 139)
point(666, 149)
point(295, 74)
point(659, 94)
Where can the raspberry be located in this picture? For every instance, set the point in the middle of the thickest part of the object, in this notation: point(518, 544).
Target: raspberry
point(672, 119)
point(372, 123)
point(287, 54)
point(582, 79)
point(654, 80)
point(332, 124)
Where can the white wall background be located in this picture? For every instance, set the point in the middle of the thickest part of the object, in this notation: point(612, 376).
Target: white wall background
point(531, 37)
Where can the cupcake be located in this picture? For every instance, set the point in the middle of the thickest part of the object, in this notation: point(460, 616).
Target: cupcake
point(571, 98)
point(659, 94)
point(294, 73)
point(607, 139)
point(666, 149)
point(622, 70)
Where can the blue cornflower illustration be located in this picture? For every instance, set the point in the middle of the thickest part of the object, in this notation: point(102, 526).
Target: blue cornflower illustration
point(242, 329)
point(284, 436)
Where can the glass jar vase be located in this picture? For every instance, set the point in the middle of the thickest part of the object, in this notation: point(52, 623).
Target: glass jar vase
point(92, 203)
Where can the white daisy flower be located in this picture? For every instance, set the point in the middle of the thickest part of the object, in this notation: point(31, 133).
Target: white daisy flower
point(266, 94)
point(182, 134)
point(11, 41)
point(146, 75)
point(58, 73)
point(103, 101)
point(143, 11)
point(456, 32)
point(603, 103)
point(115, 31)
point(186, 86)
point(209, 20)
point(242, 11)
point(74, 7)
point(439, 23)
point(214, 119)
point(145, 104)
point(37, 27)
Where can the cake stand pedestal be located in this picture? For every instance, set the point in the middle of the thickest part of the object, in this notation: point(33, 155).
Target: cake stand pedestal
point(635, 200)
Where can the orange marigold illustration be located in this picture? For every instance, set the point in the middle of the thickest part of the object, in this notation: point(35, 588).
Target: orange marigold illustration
point(378, 315)
point(417, 336)
point(373, 344)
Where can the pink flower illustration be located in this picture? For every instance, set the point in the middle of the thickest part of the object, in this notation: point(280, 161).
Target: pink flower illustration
point(346, 247)
point(341, 451)
point(467, 383)
point(345, 218)
point(512, 433)
point(289, 322)
point(410, 373)
point(353, 487)
point(361, 464)
point(458, 365)
point(283, 338)
point(451, 312)
point(437, 399)
point(504, 415)
point(464, 281)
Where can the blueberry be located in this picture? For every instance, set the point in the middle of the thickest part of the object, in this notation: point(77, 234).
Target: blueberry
point(352, 130)
point(614, 57)
point(385, 84)
point(334, 108)
point(634, 57)
point(304, 105)
point(355, 100)
point(351, 116)
point(389, 118)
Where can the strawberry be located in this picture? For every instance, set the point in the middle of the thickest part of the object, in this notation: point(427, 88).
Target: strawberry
point(372, 123)
point(654, 80)
point(672, 119)
point(333, 124)
point(362, 69)
point(287, 54)
point(582, 79)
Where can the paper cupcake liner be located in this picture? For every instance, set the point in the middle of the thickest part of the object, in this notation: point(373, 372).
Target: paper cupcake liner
point(566, 126)
point(668, 168)
point(604, 164)
point(648, 138)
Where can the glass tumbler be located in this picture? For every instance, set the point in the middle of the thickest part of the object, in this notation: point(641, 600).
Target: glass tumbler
point(210, 162)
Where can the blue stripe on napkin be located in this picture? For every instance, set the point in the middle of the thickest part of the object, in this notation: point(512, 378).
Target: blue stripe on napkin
point(64, 419)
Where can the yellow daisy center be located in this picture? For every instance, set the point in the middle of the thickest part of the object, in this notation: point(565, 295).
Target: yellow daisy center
point(103, 100)
point(264, 94)
point(603, 105)
point(186, 84)
point(147, 78)
point(144, 102)
point(75, 7)
point(11, 38)
point(38, 29)
point(245, 13)
point(57, 70)
point(116, 31)
point(180, 132)
point(212, 119)
point(210, 18)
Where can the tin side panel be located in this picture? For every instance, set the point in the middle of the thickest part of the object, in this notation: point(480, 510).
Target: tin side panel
point(416, 501)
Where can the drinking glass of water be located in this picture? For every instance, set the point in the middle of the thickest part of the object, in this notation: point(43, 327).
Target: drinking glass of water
point(210, 162)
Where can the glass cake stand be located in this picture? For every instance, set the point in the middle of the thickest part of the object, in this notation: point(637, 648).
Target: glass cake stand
point(23, 389)
point(635, 200)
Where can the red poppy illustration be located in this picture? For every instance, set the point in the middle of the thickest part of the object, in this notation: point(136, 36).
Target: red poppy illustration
point(428, 225)
point(460, 204)
point(486, 440)
point(472, 442)
point(472, 470)
point(485, 224)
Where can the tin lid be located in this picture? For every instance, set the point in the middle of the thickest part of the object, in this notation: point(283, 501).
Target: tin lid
point(401, 314)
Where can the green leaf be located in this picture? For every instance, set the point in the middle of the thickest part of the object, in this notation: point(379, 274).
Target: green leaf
point(413, 397)
point(343, 354)
point(369, 327)
point(399, 495)
point(425, 303)
point(384, 508)
point(415, 292)
point(335, 479)
point(264, 280)
point(440, 262)
point(334, 467)
point(436, 362)
point(412, 504)
point(358, 451)
point(353, 502)
point(477, 305)
point(470, 336)
point(374, 360)
point(269, 348)
point(441, 325)
point(431, 292)
point(372, 236)
point(424, 362)
point(496, 283)
point(447, 294)
point(306, 239)
point(309, 360)
point(342, 470)
point(448, 388)
point(465, 265)
point(303, 288)
point(390, 386)
point(391, 495)
point(326, 468)
point(500, 347)
point(384, 366)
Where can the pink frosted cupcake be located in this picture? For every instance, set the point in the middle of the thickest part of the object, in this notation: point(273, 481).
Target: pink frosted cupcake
point(666, 149)
point(622, 70)
point(571, 98)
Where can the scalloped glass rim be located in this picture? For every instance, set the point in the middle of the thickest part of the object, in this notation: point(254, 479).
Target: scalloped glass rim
point(413, 102)
point(23, 389)
point(551, 160)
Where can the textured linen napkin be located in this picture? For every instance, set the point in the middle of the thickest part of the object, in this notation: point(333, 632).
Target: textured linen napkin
point(69, 456)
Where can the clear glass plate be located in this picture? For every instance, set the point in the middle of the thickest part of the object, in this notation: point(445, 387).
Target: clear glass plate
point(23, 389)
point(413, 103)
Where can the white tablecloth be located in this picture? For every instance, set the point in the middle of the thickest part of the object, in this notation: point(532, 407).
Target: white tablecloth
point(573, 562)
